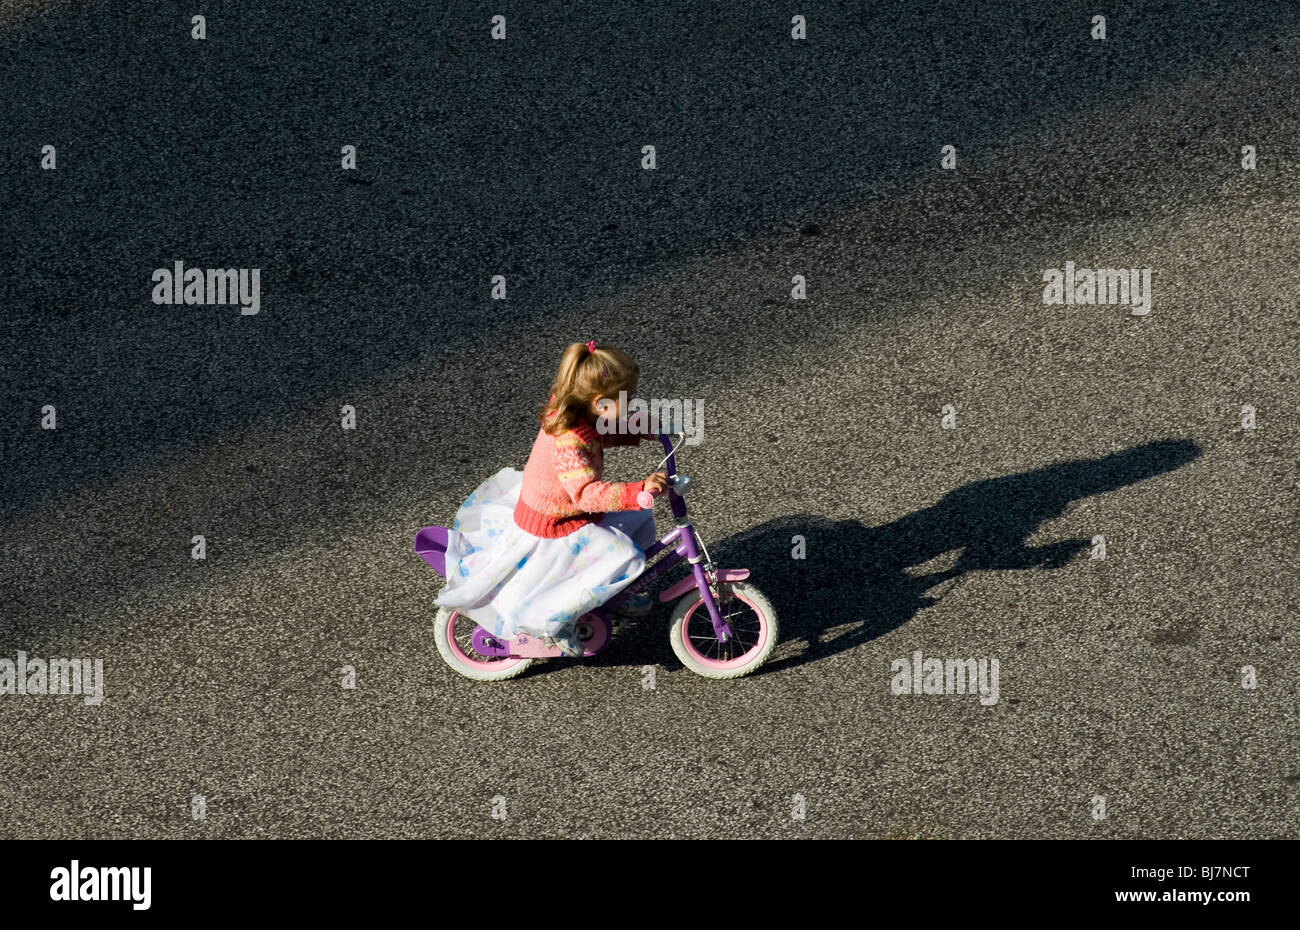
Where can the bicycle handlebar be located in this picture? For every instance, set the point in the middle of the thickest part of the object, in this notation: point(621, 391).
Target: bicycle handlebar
point(646, 499)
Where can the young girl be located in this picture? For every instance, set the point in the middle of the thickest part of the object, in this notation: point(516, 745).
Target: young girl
point(532, 551)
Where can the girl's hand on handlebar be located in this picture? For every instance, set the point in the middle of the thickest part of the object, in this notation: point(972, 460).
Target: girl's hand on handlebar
point(657, 481)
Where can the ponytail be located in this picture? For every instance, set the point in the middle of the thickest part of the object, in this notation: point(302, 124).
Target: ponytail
point(584, 375)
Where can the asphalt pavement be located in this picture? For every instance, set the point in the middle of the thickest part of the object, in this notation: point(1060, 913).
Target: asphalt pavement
point(949, 447)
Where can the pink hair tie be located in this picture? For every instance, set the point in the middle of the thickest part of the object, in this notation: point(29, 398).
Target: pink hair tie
point(591, 346)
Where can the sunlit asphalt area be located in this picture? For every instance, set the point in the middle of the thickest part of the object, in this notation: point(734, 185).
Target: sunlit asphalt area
point(1123, 709)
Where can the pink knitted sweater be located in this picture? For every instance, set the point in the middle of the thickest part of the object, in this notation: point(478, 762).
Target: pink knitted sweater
point(562, 490)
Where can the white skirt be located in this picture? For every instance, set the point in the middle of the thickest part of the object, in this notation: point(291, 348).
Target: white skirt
point(509, 581)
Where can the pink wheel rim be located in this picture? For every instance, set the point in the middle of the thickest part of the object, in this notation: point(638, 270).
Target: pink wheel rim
point(470, 657)
point(723, 664)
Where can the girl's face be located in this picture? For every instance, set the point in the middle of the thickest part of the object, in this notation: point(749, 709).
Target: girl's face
point(610, 406)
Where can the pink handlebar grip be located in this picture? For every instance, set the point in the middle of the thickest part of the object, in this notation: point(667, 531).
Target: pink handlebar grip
point(646, 499)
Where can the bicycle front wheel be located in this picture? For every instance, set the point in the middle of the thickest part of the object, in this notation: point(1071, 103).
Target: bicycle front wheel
point(752, 620)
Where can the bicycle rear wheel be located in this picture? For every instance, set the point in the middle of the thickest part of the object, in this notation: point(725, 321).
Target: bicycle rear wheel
point(453, 632)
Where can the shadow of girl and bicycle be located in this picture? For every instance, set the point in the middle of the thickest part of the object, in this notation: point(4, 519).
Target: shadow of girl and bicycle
point(858, 574)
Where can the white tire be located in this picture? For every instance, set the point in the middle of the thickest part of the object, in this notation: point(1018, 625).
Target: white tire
point(756, 623)
point(463, 659)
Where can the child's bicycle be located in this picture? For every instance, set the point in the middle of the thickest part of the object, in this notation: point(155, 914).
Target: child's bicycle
point(721, 627)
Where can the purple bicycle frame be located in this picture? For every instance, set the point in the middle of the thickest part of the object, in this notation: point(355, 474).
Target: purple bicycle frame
point(682, 538)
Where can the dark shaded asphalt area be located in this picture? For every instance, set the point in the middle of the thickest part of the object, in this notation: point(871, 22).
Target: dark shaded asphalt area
point(1121, 678)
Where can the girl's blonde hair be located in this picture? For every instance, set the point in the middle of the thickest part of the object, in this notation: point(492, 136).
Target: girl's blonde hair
point(585, 375)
